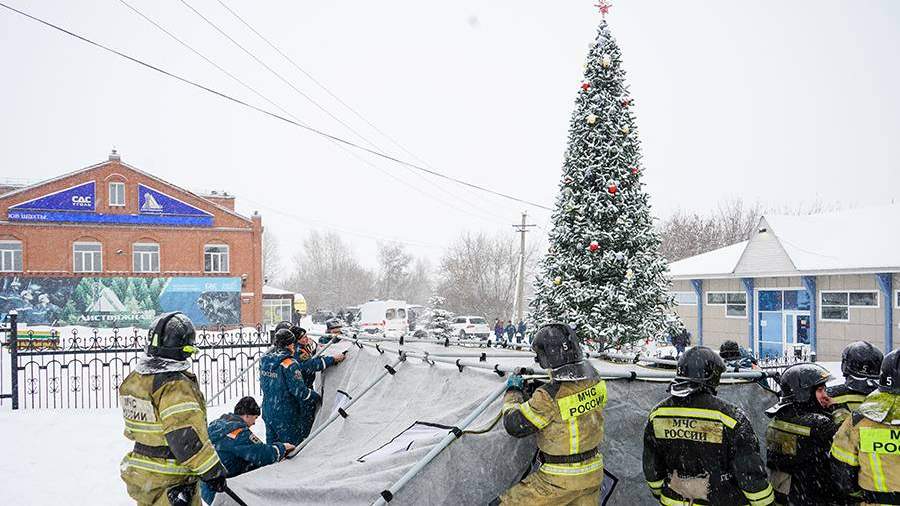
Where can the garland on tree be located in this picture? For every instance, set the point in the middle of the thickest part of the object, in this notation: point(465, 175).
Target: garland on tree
point(603, 273)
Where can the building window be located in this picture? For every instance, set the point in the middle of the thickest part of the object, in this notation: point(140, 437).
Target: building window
point(215, 258)
point(117, 194)
point(277, 310)
point(836, 305)
point(88, 257)
point(10, 256)
point(735, 303)
point(897, 299)
point(146, 257)
point(685, 298)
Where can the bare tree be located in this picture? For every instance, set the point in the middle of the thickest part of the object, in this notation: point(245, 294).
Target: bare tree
point(271, 257)
point(394, 270)
point(478, 272)
point(328, 275)
point(685, 234)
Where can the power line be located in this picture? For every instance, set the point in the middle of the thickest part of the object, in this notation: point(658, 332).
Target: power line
point(343, 103)
point(279, 107)
point(271, 114)
point(319, 106)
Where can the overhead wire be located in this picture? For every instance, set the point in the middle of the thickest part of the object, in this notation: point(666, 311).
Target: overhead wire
point(345, 104)
point(319, 106)
point(271, 102)
point(269, 113)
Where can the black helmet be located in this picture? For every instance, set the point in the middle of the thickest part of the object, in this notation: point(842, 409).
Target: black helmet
point(298, 331)
point(333, 323)
point(730, 350)
point(283, 324)
point(890, 373)
point(172, 336)
point(557, 347)
point(699, 368)
point(284, 338)
point(798, 385)
point(860, 364)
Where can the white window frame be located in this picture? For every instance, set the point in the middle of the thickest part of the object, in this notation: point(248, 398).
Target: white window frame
point(219, 255)
point(7, 248)
point(692, 293)
point(726, 304)
point(143, 255)
point(110, 193)
point(849, 306)
point(277, 307)
point(93, 254)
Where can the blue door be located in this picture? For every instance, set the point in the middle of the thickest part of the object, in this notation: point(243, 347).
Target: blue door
point(782, 321)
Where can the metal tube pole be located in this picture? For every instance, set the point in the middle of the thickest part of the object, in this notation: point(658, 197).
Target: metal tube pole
point(356, 397)
point(14, 356)
point(249, 367)
point(388, 494)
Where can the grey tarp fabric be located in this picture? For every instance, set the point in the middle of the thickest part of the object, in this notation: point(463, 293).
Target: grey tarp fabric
point(626, 415)
point(473, 469)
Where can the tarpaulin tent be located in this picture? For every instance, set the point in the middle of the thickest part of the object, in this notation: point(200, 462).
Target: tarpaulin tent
point(404, 415)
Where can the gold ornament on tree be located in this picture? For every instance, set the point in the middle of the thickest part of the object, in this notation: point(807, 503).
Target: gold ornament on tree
point(591, 119)
point(557, 281)
point(626, 130)
point(629, 274)
point(605, 61)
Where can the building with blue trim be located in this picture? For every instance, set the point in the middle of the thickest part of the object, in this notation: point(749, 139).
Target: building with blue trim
point(111, 245)
point(800, 284)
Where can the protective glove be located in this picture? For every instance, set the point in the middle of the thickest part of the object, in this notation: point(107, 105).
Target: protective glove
point(515, 382)
point(216, 484)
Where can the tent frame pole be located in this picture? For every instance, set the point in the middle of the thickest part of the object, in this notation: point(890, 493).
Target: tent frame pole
point(455, 433)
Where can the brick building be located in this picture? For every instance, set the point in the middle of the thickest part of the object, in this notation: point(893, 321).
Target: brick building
point(112, 245)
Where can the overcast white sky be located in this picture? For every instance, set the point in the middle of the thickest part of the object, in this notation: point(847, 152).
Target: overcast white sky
point(778, 102)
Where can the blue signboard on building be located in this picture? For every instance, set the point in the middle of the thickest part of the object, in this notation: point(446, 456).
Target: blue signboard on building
point(78, 205)
point(155, 202)
point(77, 198)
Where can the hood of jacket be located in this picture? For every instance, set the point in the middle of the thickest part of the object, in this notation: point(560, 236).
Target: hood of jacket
point(224, 425)
point(881, 407)
point(156, 365)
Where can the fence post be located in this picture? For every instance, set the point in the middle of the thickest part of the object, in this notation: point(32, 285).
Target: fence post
point(14, 357)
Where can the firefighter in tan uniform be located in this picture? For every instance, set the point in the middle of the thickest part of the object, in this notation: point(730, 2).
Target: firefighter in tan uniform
point(866, 449)
point(165, 416)
point(567, 415)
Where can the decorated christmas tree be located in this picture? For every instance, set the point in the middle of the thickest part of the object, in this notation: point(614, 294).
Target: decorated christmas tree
point(603, 272)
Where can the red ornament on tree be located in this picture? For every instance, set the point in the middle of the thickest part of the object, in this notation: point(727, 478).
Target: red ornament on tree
point(585, 86)
point(626, 102)
point(613, 189)
point(594, 246)
point(635, 170)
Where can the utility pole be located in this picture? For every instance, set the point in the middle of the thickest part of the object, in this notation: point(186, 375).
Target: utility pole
point(519, 305)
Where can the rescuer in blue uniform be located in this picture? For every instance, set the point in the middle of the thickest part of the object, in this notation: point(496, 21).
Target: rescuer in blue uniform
point(239, 449)
point(287, 401)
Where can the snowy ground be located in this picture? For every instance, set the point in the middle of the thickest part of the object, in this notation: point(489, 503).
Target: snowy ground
point(67, 457)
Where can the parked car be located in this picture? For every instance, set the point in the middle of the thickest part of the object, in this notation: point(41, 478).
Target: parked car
point(471, 327)
point(320, 317)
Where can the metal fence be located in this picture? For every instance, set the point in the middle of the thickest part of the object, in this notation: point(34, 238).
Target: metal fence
point(75, 371)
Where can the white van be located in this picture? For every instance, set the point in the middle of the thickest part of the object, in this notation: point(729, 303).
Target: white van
point(388, 317)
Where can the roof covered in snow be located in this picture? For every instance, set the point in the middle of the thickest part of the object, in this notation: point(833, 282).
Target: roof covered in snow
point(853, 241)
point(271, 290)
